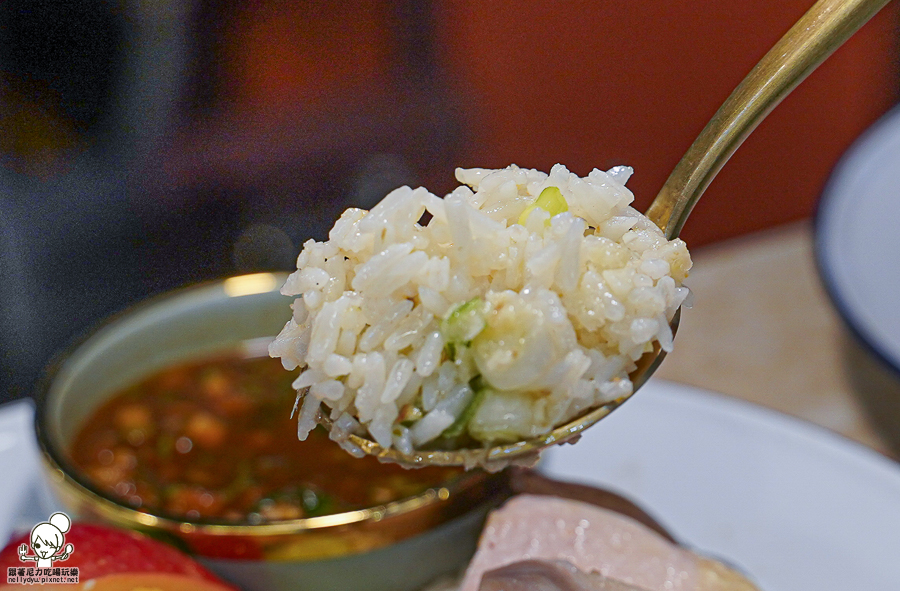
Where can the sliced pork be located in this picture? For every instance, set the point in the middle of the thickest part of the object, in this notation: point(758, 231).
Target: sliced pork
point(590, 539)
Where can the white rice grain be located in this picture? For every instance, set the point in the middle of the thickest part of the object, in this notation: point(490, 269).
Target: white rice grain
point(556, 307)
point(429, 354)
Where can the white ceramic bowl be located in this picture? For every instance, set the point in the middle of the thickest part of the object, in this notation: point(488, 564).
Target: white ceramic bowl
point(857, 242)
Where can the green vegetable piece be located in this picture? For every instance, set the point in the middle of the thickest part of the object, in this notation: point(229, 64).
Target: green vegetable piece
point(462, 421)
point(464, 323)
point(550, 200)
point(316, 503)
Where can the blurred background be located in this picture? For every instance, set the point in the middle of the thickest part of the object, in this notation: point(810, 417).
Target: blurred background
point(147, 145)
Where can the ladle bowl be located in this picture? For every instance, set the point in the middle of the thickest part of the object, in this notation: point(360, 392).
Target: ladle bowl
point(818, 33)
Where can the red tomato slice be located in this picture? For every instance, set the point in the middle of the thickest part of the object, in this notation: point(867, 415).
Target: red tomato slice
point(115, 557)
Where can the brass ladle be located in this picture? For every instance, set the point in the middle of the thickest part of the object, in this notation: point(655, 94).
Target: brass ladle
point(824, 28)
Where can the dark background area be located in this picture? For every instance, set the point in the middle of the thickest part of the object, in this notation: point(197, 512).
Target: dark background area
point(149, 145)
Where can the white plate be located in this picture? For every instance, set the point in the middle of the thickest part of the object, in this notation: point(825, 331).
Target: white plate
point(798, 507)
point(24, 501)
point(795, 506)
point(858, 237)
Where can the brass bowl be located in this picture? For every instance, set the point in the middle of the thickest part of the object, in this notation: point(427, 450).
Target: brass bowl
point(396, 546)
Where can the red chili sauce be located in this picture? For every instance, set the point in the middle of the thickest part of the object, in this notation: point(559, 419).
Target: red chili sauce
point(214, 440)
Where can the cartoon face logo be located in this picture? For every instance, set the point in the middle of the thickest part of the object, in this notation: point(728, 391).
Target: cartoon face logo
point(47, 540)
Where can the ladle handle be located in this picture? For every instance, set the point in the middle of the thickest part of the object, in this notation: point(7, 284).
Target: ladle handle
point(807, 44)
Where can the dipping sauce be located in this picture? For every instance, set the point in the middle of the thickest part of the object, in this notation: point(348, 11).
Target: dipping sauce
point(214, 440)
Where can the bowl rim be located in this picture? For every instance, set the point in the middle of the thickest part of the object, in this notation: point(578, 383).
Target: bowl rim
point(66, 474)
point(876, 142)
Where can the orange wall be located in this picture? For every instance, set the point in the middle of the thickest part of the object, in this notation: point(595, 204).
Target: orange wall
point(594, 84)
point(284, 54)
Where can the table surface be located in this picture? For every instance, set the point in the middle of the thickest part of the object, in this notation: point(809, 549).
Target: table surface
point(763, 329)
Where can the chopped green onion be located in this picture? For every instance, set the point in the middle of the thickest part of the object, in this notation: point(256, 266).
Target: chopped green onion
point(464, 322)
point(462, 421)
point(550, 200)
point(325, 506)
